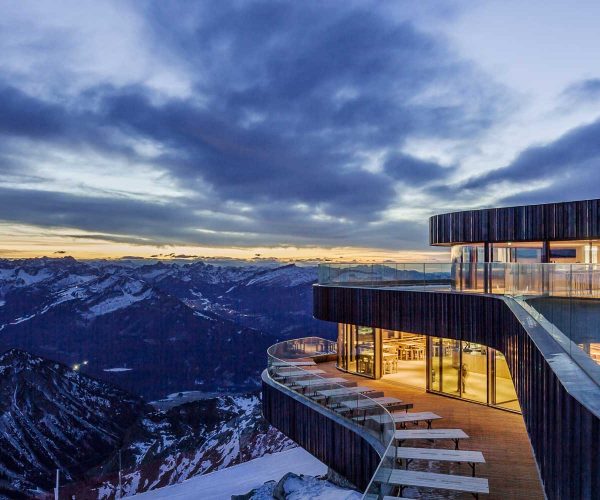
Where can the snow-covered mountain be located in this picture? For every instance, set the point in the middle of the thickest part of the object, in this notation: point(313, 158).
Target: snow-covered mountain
point(192, 439)
point(155, 329)
point(53, 417)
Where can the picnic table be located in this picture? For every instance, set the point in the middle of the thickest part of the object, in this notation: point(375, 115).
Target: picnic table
point(431, 434)
point(344, 391)
point(322, 382)
point(404, 418)
point(291, 364)
point(299, 373)
point(366, 404)
point(434, 480)
point(470, 457)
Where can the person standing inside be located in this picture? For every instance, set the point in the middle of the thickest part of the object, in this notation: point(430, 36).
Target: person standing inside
point(463, 377)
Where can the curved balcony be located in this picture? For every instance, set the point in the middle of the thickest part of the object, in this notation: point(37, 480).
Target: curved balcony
point(527, 319)
point(354, 438)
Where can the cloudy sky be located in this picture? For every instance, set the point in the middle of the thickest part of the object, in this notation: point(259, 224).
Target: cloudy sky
point(288, 129)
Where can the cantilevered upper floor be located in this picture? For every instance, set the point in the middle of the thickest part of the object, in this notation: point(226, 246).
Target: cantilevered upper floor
point(523, 282)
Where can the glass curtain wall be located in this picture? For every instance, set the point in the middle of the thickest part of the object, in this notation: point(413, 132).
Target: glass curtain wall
point(470, 371)
point(356, 349)
point(502, 390)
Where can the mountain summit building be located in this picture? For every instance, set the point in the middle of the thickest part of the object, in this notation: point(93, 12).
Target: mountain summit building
point(507, 331)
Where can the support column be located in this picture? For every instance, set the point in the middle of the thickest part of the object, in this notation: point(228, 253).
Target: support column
point(545, 252)
point(545, 271)
point(486, 271)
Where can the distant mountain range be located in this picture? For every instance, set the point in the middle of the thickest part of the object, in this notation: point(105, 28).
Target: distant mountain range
point(85, 345)
point(54, 417)
point(156, 329)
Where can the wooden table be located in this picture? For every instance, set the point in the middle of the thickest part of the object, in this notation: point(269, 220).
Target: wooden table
point(431, 435)
point(344, 391)
point(297, 374)
point(405, 418)
point(291, 364)
point(470, 457)
point(322, 382)
point(404, 478)
point(367, 404)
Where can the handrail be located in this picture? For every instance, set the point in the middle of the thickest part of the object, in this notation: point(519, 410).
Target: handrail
point(544, 281)
point(276, 369)
point(501, 278)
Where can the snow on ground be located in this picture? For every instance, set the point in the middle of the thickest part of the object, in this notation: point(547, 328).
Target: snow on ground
point(305, 488)
point(118, 302)
point(242, 478)
point(286, 276)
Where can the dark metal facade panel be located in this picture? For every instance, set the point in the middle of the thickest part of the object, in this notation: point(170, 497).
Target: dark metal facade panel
point(571, 220)
point(342, 449)
point(563, 433)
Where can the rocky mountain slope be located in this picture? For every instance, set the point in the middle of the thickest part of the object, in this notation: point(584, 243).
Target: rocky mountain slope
point(53, 417)
point(195, 438)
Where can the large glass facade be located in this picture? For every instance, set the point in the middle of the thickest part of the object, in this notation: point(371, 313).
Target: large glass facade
point(465, 370)
point(470, 371)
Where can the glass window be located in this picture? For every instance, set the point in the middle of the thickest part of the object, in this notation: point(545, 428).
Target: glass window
point(573, 252)
point(473, 372)
point(365, 350)
point(341, 347)
point(450, 364)
point(435, 365)
point(525, 253)
point(502, 391)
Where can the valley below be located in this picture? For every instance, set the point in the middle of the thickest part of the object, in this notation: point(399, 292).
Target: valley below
point(150, 370)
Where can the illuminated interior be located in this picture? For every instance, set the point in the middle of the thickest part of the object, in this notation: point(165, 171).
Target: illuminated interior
point(464, 370)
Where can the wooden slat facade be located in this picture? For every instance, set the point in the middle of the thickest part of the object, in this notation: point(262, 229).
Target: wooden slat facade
point(564, 434)
point(346, 449)
point(573, 220)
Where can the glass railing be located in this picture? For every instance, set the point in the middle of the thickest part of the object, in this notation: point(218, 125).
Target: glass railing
point(514, 279)
point(295, 365)
point(562, 298)
point(387, 274)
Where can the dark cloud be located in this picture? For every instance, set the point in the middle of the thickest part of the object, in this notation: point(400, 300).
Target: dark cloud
point(414, 171)
point(288, 101)
point(568, 167)
point(583, 91)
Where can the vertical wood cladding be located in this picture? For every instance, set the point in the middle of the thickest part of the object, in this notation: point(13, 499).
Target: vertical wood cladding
point(565, 435)
point(571, 220)
point(341, 448)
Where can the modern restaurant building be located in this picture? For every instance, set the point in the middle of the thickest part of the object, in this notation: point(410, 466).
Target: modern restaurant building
point(511, 322)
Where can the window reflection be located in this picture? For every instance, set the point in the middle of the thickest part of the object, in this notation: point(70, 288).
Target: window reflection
point(473, 372)
point(503, 392)
point(365, 350)
point(356, 346)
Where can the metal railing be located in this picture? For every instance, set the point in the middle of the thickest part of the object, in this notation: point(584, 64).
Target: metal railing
point(289, 366)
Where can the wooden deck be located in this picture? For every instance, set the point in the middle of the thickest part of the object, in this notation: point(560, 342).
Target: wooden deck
point(499, 435)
